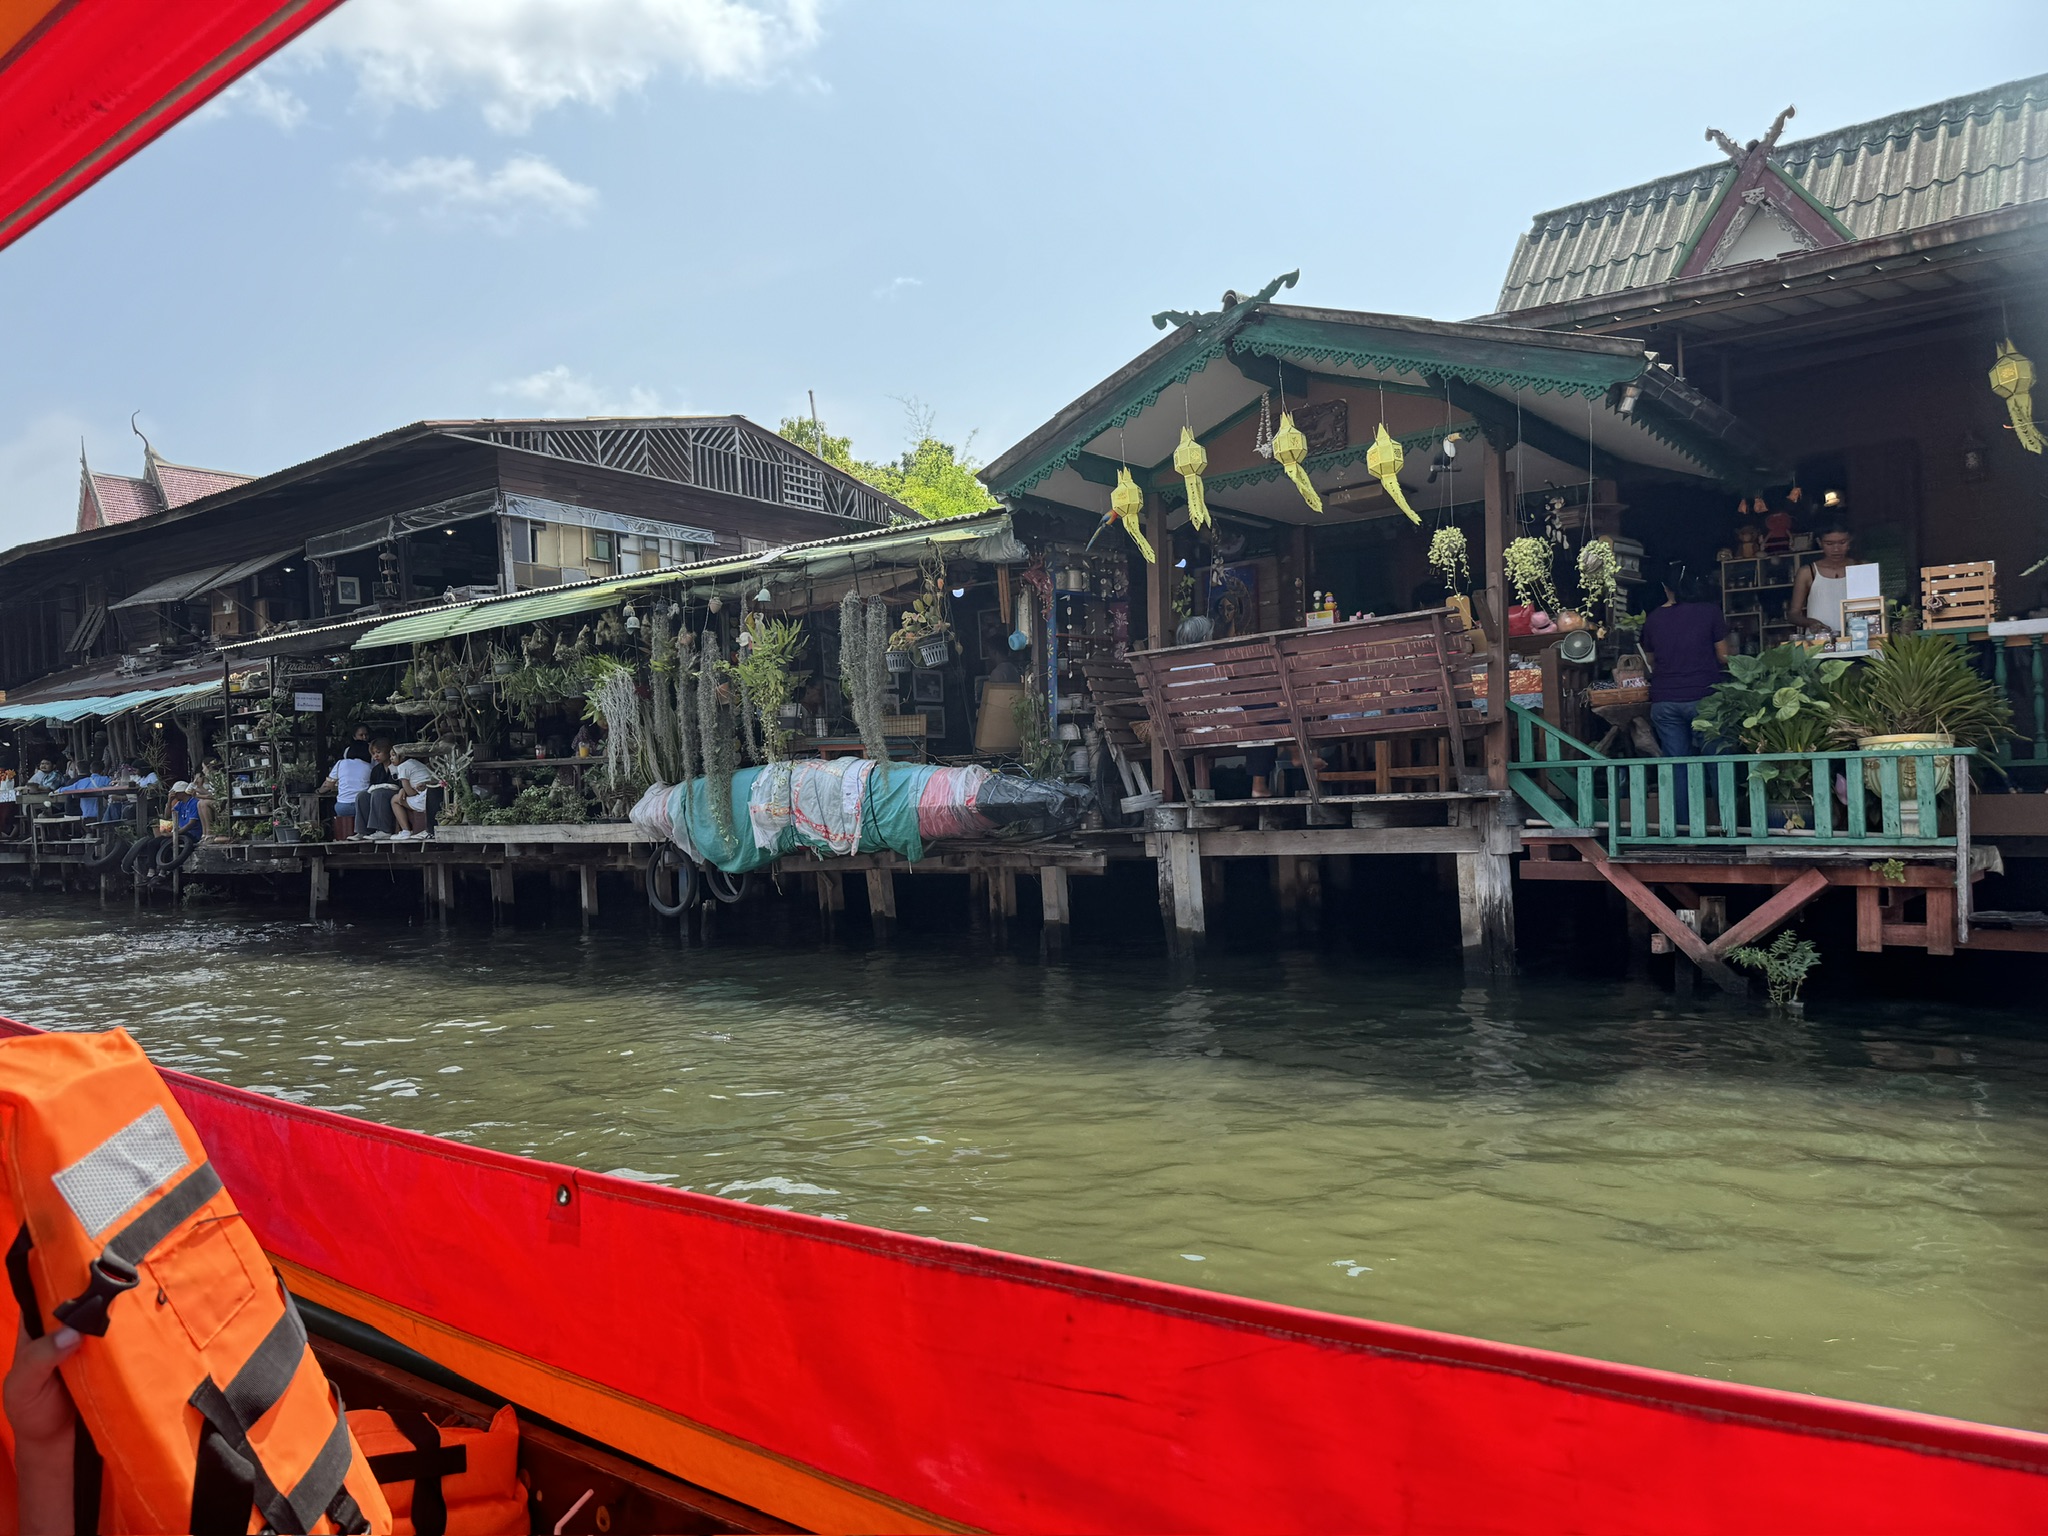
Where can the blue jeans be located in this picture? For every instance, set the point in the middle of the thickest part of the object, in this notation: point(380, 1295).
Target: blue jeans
point(1672, 723)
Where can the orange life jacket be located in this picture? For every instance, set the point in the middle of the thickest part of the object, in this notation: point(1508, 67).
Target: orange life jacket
point(204, 1408)
point(444, 1479)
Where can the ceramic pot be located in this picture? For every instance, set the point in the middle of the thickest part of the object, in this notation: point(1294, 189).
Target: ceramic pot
point(1909, 805)
point(1569, 621)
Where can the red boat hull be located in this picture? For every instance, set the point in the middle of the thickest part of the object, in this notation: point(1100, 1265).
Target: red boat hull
point(846, 1378)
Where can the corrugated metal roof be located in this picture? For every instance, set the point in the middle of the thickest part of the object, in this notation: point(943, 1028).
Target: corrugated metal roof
point(1959, 157)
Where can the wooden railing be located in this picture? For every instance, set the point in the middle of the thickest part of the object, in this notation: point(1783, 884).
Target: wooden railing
point(1404, 675)
point(1829, 800)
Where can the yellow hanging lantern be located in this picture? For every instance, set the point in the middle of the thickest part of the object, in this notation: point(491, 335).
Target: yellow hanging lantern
point(2012, 380)
point(1125, 502)
point(1290, 447)
point(1383, 461)
point(1191, 462)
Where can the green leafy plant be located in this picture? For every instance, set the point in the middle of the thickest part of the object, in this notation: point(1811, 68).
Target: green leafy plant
point(926, 616)
point(1450, 558)
point(1781, 701)
point(767, 679)
point(1037, 748)
point(1785, 965)
point(1921, 684)
point(1528, 564)
point(1599, 582)
point(1893, 870)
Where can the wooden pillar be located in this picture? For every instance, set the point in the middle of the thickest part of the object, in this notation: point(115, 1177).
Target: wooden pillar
point(1308, 884)
point(502, 900)
point(316, 885)
point(1159, 614)
point(1287, 887)
point(1180, 889)
point(1500, 529)
point(1486, 891)
point(1053, 903)
point(882, 899)
point(586, 891)
point(1002, 895)
point(831, 895)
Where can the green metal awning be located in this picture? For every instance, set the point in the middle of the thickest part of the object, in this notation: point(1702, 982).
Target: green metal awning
point(818, 556)
point(104, 706)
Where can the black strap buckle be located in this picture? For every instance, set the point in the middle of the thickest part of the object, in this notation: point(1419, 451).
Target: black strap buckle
point(87, 1311)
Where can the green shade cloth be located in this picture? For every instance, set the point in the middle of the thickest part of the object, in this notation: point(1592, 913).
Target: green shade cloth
point(103, 706)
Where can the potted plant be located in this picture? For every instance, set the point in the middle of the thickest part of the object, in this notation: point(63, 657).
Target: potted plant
point(1599, 582)
point(1451, 559)
point(1918, 691)
point(1781, 701)
point(923, 630)
point(1528, 564)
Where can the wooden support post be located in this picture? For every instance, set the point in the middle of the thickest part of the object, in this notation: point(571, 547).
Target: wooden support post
point(502, 900)
point(1486, 891)
point(831, 894)
point(1158, 610)
point(882, 899)
point(1180, 889)
point(316, 885)
point(1869, 919)
point(1785, 902)
point(1308, 885)
point(1500, 529)
point(1287, 887)
point(1053, 903)
point(447, 888)
point(586, 891)
point(1666, 921)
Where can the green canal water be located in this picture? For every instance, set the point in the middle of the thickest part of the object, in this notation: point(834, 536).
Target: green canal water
point(1851, 1205)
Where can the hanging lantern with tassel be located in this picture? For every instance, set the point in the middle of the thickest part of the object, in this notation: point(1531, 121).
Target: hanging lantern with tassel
point(1290, 447)
point(1191, 462)
point(1383, 461)
point(2012, 380)
point(1125, 503)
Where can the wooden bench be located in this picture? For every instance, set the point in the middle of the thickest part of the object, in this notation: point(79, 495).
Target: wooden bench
point(1402, 681)
point(1119, 701)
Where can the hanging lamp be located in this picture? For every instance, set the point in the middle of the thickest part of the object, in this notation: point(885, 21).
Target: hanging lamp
point(1290, 447)
point(1383, 461)
point(1125, 502)
point(2012, 380)
point(1191, 462)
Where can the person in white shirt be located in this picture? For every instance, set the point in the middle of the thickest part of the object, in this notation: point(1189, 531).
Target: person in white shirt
point(348, 778)
point(415, 778)
point(1818, 589)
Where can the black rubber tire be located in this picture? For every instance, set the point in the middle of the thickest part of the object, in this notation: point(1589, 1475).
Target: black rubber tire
point(143, 848)
point(171, 857)
point(109, 861)
point(726, 888)
point(687, 892)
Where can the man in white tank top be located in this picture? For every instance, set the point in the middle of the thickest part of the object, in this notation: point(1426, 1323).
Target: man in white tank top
point(1820, 586)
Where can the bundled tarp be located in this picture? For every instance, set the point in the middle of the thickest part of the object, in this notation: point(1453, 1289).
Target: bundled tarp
point(845, 806)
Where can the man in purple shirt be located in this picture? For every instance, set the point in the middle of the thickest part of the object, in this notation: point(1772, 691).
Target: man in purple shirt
point(1687, 640)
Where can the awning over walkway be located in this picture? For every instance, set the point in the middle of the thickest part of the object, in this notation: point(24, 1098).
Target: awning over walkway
point(191, 584)
point(819, 557)
point(104, 706)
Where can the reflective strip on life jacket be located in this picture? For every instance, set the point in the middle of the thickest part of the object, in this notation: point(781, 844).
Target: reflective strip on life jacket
point(195, 1380)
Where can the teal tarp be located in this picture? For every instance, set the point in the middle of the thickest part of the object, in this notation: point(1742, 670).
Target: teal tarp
point(888, 820)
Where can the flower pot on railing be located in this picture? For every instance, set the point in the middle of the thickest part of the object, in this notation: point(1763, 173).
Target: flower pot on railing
point(1909, 799)
point(933, 650)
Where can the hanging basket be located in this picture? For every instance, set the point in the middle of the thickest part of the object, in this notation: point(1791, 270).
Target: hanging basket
point(899, 661)
point(933, 650)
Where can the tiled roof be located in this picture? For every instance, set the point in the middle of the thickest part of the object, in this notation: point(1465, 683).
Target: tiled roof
point(121, 500)
point(181, 483)
point(1965, 156)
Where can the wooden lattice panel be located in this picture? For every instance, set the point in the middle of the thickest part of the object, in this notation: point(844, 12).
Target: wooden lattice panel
point(1959, 596)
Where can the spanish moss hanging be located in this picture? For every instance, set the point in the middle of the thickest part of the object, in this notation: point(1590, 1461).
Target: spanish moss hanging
point(714, 730)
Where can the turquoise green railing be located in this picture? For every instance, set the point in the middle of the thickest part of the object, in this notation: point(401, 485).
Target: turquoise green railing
point(1800, 800)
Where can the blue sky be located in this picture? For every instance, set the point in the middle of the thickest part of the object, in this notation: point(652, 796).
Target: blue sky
point(529, 207)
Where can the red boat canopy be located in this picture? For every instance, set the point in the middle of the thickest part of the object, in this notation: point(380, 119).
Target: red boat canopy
point(84, 84)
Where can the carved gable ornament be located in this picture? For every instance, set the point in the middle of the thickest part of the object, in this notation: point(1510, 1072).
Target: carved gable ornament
point(1761, 214)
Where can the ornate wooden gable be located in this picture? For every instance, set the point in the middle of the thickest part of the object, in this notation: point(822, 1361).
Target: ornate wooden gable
point(1761, 214)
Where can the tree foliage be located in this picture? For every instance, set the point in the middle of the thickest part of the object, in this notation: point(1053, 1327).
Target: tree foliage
point(931, 477)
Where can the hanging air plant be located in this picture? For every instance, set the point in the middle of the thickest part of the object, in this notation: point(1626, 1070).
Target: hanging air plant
point(1598, 583)
point(1527, 560)
point(714, 731)
point(1450, 558)
point(664, 736)
point(615, 699)
point(685, 680)
point(767, 679)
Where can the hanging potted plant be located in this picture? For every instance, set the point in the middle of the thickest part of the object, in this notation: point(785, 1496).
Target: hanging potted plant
point(1919, 691)
point(923, 630)
point(1527, 561)
point(1599, 582)
point(1451, 559)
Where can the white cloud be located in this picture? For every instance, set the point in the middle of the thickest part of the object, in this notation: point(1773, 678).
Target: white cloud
point(455, 188)
point(259, 96)
point(897, 285)
point(39, 479)
point(557, 391)
point(523, 57)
